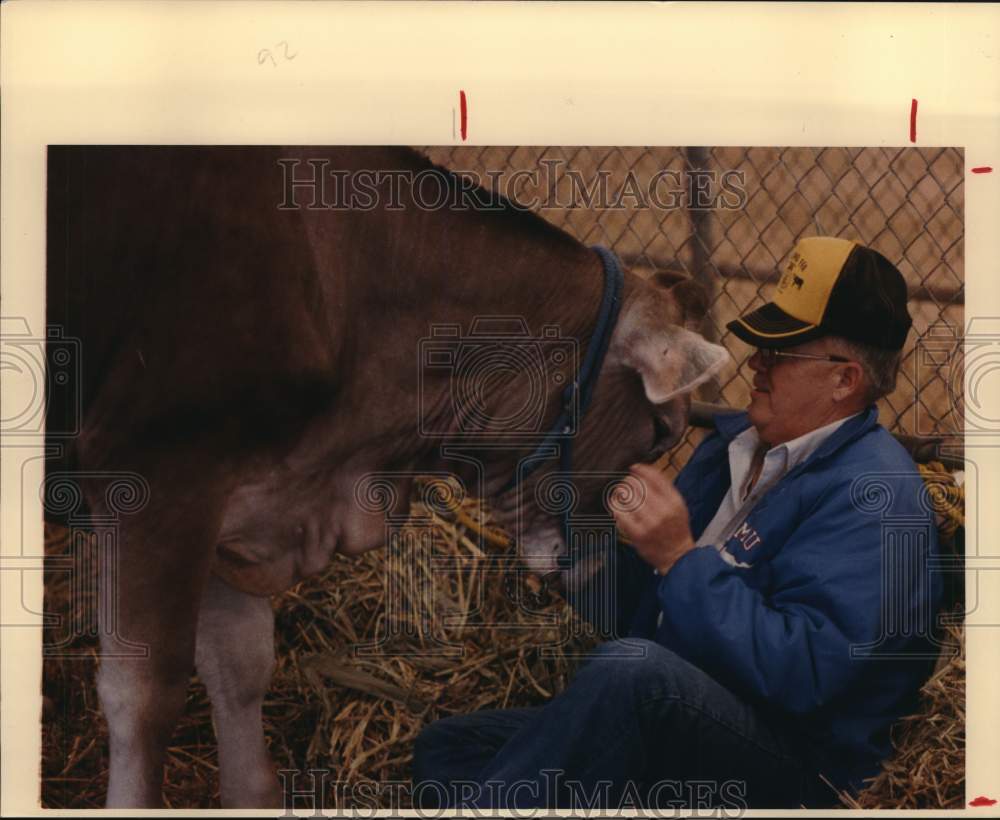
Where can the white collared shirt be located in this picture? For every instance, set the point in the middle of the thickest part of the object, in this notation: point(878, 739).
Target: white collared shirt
point(737, 503)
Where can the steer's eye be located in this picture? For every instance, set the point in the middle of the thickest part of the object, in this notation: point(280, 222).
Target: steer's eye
point(661, 430)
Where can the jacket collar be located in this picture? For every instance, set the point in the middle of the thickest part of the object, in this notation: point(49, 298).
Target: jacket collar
point(731, 425)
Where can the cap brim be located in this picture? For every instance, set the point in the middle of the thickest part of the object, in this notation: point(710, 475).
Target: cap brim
point(770, 326)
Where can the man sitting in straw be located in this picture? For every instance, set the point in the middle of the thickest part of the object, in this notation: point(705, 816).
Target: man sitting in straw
point(782, 626)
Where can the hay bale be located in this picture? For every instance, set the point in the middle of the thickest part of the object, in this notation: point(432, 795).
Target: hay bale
point(927, 767)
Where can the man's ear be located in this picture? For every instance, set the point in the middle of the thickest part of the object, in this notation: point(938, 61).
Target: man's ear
point(851, 381)
point(691, 297)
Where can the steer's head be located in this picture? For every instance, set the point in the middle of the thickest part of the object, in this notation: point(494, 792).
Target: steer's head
point(639, 411)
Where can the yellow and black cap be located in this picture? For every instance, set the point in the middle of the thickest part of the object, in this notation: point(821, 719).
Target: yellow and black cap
point(831, 287)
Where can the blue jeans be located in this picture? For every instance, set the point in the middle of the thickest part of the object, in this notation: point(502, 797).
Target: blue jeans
point(628, 732)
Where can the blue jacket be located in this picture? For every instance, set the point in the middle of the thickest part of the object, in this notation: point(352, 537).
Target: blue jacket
point(831, 622)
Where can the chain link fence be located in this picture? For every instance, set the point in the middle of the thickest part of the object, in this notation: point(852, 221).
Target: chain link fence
point(729, 217)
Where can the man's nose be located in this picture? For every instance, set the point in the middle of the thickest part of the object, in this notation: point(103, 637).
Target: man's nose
point(756, 362)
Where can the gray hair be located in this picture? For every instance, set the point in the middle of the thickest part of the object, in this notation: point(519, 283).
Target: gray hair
point(880, 366)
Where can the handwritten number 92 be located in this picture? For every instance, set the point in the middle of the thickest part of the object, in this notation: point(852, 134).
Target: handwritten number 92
point(283, 55)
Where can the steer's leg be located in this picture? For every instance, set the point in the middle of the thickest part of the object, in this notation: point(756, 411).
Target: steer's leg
point(235, 658)
point(143, 698)
point(163, 556)
point(142, 701)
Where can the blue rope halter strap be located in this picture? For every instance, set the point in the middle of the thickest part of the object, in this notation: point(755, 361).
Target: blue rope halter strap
point(579, 393)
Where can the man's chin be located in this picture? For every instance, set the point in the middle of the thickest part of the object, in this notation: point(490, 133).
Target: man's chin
point(756, 410)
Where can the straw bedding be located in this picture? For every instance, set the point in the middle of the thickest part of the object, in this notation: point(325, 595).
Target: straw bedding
point(461, 632)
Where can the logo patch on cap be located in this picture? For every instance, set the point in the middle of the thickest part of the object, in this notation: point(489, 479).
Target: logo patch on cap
point(792, 277)
point(805, 286)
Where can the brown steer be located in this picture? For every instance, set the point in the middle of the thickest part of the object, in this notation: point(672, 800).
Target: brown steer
point(257, 328)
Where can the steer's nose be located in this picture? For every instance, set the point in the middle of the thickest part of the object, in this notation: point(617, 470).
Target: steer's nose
point(661, 440)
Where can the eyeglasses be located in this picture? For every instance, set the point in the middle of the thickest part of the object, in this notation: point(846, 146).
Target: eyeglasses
point(770, 356)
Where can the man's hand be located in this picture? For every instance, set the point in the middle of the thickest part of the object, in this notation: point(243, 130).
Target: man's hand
point(658, 526)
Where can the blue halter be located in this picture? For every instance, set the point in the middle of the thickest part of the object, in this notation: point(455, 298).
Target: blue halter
point(578, 394)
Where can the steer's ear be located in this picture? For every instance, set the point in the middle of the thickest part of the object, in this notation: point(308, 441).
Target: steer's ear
point(670, 359)
point(691, 297)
